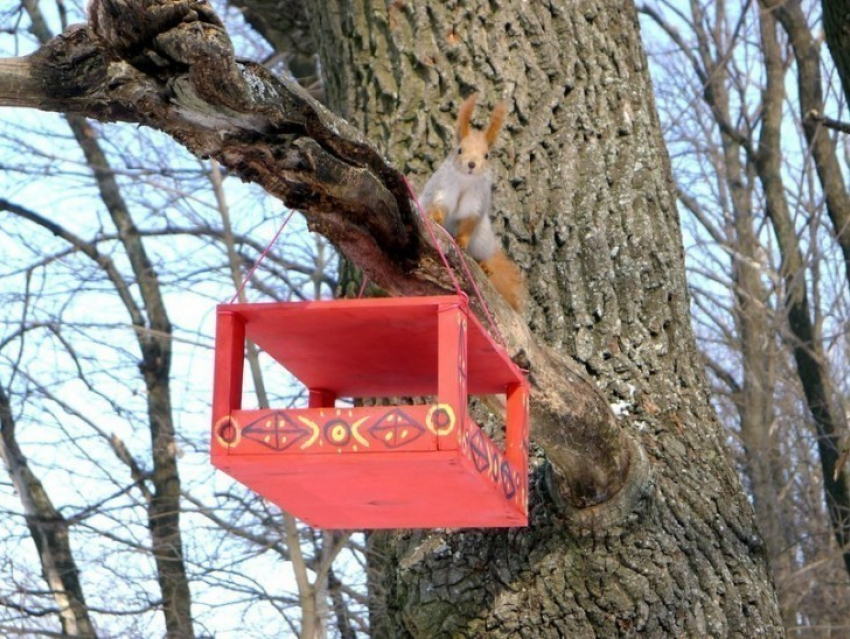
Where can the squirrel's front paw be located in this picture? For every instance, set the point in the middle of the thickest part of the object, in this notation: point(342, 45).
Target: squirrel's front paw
point(437, 215)
point(464, 231)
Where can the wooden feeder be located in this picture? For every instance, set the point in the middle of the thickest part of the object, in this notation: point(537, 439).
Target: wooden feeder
point(418, 466)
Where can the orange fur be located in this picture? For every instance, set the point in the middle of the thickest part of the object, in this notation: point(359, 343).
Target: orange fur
point(464, 231)
point(506, 278)
point(464, 115)
point(496, 121)
point(437, 213)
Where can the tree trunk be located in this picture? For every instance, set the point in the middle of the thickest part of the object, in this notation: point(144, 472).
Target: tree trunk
point(583, 202)
point(836, 25)
point(50, 531)
point(808, 349)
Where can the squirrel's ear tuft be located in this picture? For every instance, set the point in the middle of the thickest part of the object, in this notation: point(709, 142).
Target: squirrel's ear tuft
point(496, 122)
point(464, 115)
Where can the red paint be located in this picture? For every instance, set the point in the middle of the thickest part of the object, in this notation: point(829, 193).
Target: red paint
point(418, 466)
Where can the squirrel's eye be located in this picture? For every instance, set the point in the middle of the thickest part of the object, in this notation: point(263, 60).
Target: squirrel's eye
point(486, 156)
point(459, 150)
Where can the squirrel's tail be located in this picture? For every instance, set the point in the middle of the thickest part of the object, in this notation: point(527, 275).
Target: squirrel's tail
point(506, 277)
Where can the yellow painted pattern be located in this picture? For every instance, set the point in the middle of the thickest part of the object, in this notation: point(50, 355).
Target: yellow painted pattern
point(314, 428)
point(220, 424)
point(440, 429)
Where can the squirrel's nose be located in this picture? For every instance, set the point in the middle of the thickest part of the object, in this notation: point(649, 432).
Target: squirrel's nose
point(472, 165)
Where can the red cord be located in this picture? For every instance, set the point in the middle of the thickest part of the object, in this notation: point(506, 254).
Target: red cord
point(428, 224)
point(427, 221)
point(363, 286)
point(262, 257)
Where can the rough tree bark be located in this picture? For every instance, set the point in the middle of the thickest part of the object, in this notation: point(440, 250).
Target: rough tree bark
point(588, 213)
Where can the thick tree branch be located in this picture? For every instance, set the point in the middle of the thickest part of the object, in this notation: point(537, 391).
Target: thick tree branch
point(836, 25)
point(170, 65)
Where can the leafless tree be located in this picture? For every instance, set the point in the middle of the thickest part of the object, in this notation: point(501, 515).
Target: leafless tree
point(763, 201)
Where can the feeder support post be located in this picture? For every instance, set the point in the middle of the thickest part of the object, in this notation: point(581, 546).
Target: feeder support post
point(448, 417)
point(321, 398)
point(229, 363)
point(516, 435)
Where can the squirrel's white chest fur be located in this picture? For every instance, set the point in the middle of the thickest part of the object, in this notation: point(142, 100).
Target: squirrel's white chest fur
point(461, 195)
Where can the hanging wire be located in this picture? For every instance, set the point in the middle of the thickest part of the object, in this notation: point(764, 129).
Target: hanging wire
point(429, 225)
point(427, 221)
point(262, 256)
point(363, 286)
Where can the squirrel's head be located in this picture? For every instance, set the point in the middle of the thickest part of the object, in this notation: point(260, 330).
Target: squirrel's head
point(472, 154)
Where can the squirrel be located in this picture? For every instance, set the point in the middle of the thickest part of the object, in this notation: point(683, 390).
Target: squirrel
point(458, 198)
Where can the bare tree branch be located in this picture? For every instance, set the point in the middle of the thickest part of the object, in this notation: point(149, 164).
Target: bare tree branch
point(814, 116)
point(49, 530)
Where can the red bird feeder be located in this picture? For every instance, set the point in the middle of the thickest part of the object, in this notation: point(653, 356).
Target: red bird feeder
point(418, 466)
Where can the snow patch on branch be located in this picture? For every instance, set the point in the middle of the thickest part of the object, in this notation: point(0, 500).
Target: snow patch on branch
point(259, 89)
point(621, 407)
